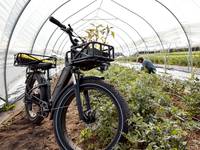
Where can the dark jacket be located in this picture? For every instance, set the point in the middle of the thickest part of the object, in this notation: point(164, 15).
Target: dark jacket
point(147, 64)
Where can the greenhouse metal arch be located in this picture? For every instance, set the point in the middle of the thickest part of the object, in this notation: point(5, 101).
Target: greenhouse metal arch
point(15, 23)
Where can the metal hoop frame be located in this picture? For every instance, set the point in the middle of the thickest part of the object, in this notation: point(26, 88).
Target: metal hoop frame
point(35, 38)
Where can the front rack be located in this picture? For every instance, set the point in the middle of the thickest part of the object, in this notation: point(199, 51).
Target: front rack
point(90, 55)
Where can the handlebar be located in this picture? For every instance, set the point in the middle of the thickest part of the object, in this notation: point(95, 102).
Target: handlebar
point(56, 22)
point(69, 30)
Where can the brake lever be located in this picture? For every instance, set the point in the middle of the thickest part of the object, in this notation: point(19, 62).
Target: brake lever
point(70, 27)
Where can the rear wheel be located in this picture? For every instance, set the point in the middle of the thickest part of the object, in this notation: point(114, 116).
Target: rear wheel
point(33, 94)
point(107, 118)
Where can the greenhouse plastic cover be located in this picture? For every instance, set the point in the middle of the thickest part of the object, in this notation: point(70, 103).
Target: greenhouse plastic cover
point(139, 25)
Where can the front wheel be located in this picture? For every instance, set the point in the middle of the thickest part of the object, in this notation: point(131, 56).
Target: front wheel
point(108, 112)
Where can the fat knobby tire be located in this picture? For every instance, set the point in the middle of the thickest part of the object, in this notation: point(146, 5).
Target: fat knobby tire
point(95, 83)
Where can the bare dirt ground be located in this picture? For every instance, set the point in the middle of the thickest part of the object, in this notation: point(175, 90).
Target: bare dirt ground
point(20, 134)
point(194, 140)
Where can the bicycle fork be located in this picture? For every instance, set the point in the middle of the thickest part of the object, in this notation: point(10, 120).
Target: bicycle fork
point(87, 116)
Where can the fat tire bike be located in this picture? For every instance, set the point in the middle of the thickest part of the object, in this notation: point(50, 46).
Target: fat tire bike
point(87, 112)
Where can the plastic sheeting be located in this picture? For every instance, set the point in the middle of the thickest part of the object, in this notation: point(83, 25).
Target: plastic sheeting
point(140, 25)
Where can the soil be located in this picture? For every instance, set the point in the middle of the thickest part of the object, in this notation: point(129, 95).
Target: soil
point(194, 140)
point(20, 134)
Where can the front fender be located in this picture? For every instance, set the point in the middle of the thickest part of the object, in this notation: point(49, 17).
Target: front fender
point(91, 78)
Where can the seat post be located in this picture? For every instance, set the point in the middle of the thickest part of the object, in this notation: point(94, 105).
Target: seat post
point(49, 84)
point(48, 75)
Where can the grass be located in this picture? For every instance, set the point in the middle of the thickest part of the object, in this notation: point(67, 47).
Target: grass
point(7, 107)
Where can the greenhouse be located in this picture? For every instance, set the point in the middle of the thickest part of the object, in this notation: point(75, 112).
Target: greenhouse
point(99, 44)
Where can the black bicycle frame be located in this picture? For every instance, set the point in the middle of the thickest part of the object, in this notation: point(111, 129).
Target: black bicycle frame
point(70, 76)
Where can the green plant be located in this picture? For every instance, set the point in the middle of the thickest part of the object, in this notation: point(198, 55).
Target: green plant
point(173, 58)
point(99, 33)
point(192, 97)
point(159, 118)
point(7, 107)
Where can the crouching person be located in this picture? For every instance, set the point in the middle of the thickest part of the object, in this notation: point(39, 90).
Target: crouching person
point(147, 65)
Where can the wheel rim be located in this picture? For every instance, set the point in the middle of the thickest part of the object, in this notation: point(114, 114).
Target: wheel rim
point(102, 134)
point(35, 108)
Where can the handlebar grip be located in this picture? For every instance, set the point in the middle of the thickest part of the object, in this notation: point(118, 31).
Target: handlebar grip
point(55, 21)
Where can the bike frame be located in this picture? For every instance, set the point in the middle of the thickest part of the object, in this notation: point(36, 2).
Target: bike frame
point(69, 77)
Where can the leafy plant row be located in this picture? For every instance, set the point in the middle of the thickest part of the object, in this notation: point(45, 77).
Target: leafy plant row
point(175, 58)
point(164, 111)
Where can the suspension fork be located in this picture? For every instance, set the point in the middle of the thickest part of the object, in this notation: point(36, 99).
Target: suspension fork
point(82, 113)
point(76, 82)
point(87, 100)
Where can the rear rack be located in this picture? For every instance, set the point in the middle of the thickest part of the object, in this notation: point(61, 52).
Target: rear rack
point(27, 59)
